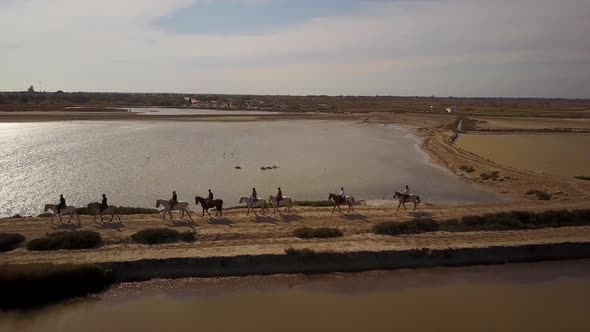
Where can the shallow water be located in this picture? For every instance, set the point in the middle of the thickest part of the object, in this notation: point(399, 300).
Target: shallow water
point(525, 297)
point(558, 154)
point(135, 163)
point(194, 111)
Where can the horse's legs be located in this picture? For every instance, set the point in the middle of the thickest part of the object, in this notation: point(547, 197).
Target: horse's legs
point(414, 205)
point(189, 213)
point(405, 208)
point(334, 208)
point(119, 217)
point(398, 206)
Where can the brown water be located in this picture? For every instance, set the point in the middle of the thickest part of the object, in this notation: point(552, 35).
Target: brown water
point(526, 297)
point(559, 154)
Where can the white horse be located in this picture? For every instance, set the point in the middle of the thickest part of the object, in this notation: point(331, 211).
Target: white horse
point(286, 202)
point(411, 198)
point(94, 207)
point(261, 203)
point(180, 206)
point(68, 210)
point(349, 200)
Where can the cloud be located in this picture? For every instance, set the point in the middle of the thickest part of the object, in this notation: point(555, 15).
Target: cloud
point(454, 47)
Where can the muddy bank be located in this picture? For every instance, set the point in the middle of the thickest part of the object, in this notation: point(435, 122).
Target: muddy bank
point(326, 262)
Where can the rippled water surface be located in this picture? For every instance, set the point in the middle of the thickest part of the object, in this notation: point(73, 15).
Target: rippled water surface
point(135, 163)
point(521, 298)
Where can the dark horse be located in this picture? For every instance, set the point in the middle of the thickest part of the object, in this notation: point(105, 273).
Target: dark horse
point(348, 200)
point(216, 203)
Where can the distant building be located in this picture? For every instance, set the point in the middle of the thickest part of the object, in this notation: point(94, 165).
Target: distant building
point(451, 109)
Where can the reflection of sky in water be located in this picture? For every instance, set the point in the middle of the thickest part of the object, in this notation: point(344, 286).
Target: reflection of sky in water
point(136, 163)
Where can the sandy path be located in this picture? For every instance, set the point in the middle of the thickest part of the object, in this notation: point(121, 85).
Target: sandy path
point(238, 234)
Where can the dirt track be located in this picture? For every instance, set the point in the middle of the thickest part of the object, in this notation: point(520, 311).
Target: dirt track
point(239, 234)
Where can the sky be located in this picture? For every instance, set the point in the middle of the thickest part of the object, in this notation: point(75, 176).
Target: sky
point(470, 48)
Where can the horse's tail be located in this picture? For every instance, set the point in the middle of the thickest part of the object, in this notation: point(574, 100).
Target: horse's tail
point(418, 199)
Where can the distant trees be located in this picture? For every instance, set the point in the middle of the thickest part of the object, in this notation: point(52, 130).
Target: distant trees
point(31, 89)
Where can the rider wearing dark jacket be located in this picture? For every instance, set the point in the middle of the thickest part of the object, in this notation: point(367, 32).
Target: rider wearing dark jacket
point(279, 196)
point(103, 204)
point(174, 200)
point(210, 197)
point(62, 203)
point(254, 196)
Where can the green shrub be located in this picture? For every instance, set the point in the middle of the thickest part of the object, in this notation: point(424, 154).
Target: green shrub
point(188, 236)
point(317, 233)
point(66, 240)
point(514, 220)
point(539, 194)
point(427, 224)
point(305, 252)
point(24, 286)
point(315, 203)
point(122, 210)
point(467, 169)
point(415, 226)
point(162, 235)
point(395, 228)
point(494, 176)
point(10, 241)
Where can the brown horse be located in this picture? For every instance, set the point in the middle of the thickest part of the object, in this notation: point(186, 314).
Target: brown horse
point(216, 203)
point(402, 200)
point(349, 200)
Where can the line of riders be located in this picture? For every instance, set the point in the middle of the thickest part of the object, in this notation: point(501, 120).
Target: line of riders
point(210, 202)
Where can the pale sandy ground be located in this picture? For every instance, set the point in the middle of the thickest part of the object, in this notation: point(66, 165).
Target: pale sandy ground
point(488, 122)
point(238, 234)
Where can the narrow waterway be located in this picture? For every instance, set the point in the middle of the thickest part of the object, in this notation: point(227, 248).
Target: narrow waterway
point(550, 296)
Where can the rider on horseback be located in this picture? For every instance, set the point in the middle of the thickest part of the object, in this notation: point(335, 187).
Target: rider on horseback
point(103, 204)
point(62, 204)
point(254, 196)
point(406, 193)
point(279, 197)
point(209, 198)
point(342, 195)
point(173, 200)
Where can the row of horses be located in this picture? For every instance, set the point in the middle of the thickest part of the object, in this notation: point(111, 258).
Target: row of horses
point(217, 204)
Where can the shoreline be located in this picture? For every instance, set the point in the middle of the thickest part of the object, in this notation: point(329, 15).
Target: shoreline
point(330, 262)
point(242, 245)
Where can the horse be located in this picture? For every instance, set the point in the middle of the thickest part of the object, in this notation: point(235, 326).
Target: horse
point(286, 201)
point(216, 203)
point(94, 207)
point(261, 203)
point(411, 198)
point(337, 201)
point(68, 210)
point(180, 206)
